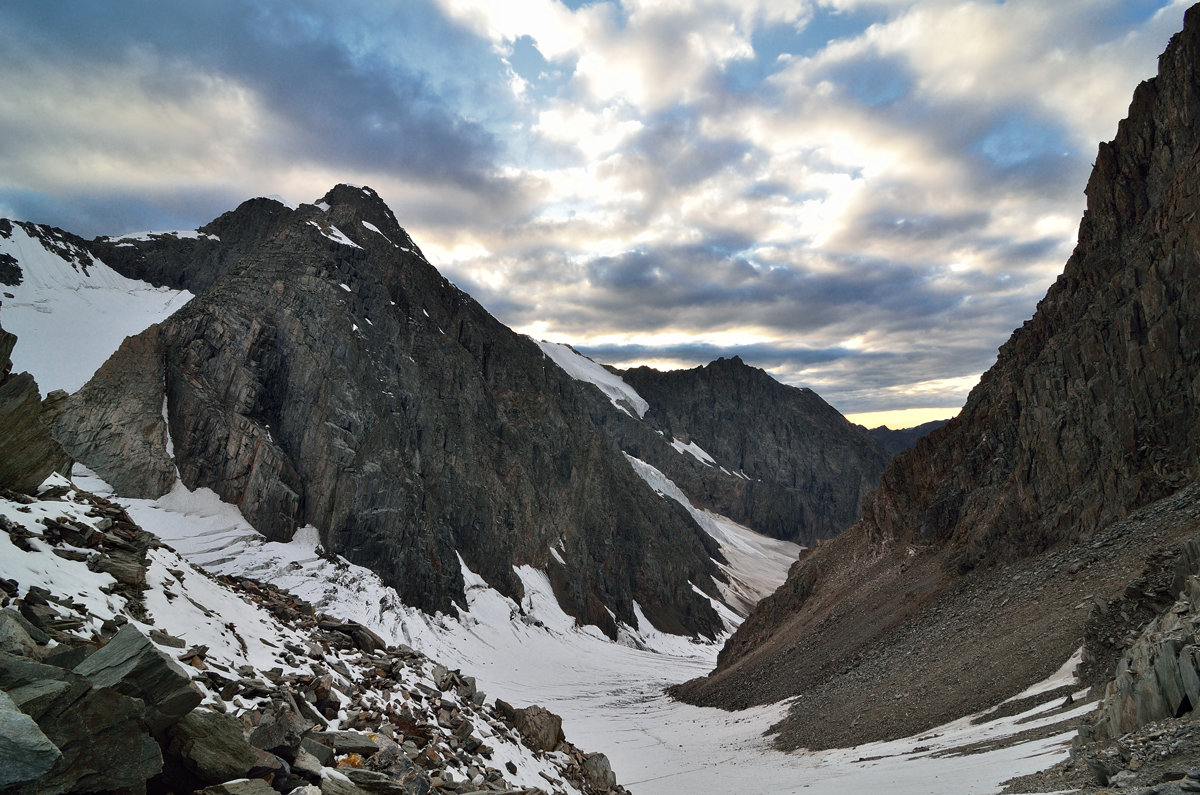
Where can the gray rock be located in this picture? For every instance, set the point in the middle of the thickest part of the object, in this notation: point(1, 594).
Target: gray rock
point(598, 772)
point(28, 453)
point(130, 663)
point(324, 753)
point(334, 782)
point(540, 728)
point(130, 456)
point(213, 747)
point(25, 752)
point(281, 729)
point(13, 637)
point(347, 742)
point(104, 740)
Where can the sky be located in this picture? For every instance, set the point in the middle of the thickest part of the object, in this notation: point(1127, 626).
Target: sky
point(864, 197)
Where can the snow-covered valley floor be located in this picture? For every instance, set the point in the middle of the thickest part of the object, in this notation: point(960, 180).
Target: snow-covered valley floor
point(610, 695)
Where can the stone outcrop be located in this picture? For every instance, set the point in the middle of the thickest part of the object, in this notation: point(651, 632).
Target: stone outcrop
point(130, 454)
point(28, 453)
point(332, 377)
point(1091, 412)
point(794, 468)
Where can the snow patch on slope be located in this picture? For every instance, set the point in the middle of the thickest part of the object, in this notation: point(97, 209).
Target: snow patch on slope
point(581, 368)
point(757, 564)
point(695, 451)
point(70, 317)
point(334, 234)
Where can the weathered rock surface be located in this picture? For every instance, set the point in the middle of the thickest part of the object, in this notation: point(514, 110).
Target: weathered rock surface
point(129, 663)
point(25, 752)
point(1091, 412)
point(213, 747)
point(191, 262)
point(28, 453)
point(130, 455)
point(540, 728)
point(332, 377)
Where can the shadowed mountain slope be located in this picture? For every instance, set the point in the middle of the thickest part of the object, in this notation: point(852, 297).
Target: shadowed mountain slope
point(967, 578)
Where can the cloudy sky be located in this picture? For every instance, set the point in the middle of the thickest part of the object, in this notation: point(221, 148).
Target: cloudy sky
point(862, 196)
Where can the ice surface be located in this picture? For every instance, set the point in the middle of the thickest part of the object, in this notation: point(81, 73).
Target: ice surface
point(68, 319)
point(581, 368)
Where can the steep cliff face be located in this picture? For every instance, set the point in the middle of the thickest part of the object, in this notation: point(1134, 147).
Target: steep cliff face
point(794, 468)
point(332, 377)
point(193, 261)
point(28, 453)
point(1091, 411)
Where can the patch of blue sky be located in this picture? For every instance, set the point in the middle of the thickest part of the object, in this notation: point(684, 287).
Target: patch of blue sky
point(1121, 15)
point(1018, 138)
point(773, 41)
point(874, 82)
point(543, 78)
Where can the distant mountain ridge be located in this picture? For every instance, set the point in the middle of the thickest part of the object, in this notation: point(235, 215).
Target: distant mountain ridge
point(1091, 412)
point(901, 439)
point(800, 469)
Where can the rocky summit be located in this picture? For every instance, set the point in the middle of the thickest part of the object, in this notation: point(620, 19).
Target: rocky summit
point(329, 376)
point(986, 548)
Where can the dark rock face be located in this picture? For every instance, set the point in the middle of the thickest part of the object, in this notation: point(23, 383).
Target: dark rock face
point(194, 263)
point(332, 377)
point(1091, 412)
point(28, 453)
point(804, 468)
point(1091, 408)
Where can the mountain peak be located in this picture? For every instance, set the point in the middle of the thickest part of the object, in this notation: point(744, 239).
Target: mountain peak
point(352, 207)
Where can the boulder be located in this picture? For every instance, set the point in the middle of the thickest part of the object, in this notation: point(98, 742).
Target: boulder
point(213, 747)
point(13, 637)
point(347, 742)
point(104, 740)
point(598, 772)
point(281, 729)
point(540, 728)
point(131, 664)
point(25, 752)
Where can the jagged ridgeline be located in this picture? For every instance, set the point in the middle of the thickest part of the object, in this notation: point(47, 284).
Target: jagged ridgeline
point(978, 557)
point(328, 375)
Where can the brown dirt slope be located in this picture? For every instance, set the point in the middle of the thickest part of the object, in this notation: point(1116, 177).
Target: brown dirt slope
point(960, 585)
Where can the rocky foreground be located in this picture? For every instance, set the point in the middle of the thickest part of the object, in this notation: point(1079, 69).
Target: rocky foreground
point(124, 667)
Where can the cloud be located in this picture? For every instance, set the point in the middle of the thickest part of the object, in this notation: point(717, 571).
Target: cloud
point(864, 196)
